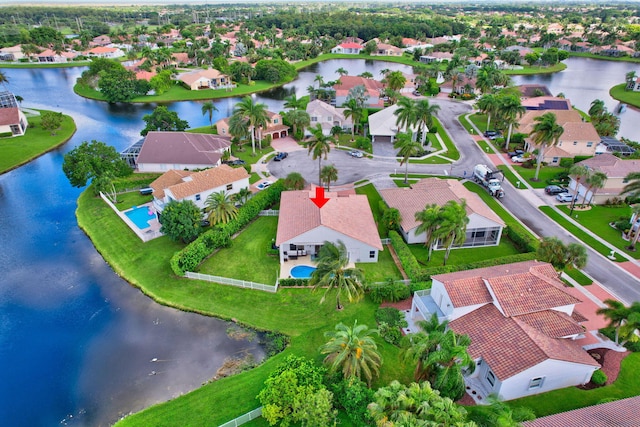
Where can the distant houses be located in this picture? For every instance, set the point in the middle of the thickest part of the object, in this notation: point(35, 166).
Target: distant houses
point(205, 79)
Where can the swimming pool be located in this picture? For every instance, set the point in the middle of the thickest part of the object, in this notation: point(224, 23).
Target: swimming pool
point(140, 216)
point(302, 271)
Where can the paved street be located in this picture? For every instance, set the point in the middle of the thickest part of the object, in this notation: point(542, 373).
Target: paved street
point(522, 203)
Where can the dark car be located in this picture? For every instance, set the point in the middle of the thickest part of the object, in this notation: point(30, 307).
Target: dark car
point(515, 153)
point(492, 134)
point(237, 162)
point(280, 156)
point(555, 189)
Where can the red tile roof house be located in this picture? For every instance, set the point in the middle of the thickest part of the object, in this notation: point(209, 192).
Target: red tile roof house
point(523, 326)
point(12, 122)
point(327, 116)
point(619, 413)
point(105, 52)
point(162, 151)
point(616, 170)
point(183, 185)
point(205, 79)
point(274, 128)
point(484, 228)
point(372, 90)
point(303, 227)
point(348, 48)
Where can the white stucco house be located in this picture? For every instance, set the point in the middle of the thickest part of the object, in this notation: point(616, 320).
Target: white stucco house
point(180, 185)
point(484, 228)
point(162, 151)
point(383, 125)
point(12, 122)
point(327, 116)
point(303, 227)
point(523, 326)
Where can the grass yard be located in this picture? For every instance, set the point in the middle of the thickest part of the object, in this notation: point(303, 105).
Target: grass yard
point(535, 69)
point(464, 255)
point(452, 152)
point(19, 150)
point(566, 399)
point(210, 130)
point(578, 276)
point(247, 258)
point(382, 270)
point(132, 198)
point(374, 202)
point(627, 96)
point(577, 232)
point(510, 176)
point(546, 173)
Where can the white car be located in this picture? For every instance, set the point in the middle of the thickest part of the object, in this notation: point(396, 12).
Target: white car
point(565, 197)
point(356, 153)
point(518, 159)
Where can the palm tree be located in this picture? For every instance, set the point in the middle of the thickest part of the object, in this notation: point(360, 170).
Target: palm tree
point(597, 108)
point(578, 172)
point(292, 102)
point(242, 195)
point(453, 225)
point(366, 75)
point(632, 188)
point(220, 208)
point(353, 110)
point(298, 118)
point(329, 173)
point(429, 219)
point(594, 182)
point(406, 113)
point(449, 359)
point(616, 313)
point(396, 80)
point(320, 80)
point(3, 78)
point(484, 81)
point(406, 147)
point(319, 146)
point(209, 107)
point(333, 273)
point(353, 351)
point(239, 128)
point(545, 132)
point(254, 113)
point(488, 104)
point(424, 115)
point(510, 109)
point(342, 71)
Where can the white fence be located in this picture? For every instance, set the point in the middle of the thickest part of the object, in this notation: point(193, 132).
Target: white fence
point(145, 236)
point(269, 212)
point(386, 241)
point(256, 413)
point(232, 282)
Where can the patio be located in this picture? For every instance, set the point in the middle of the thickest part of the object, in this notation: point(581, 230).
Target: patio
point(285, 267)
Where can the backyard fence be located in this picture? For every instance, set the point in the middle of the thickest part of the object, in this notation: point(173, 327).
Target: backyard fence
point(232, 282)
point(269, 212)
point(145, 236)
point(256, 413)
point(385, 241)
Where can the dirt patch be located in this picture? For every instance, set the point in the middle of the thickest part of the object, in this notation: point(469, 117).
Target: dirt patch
point(234, 365)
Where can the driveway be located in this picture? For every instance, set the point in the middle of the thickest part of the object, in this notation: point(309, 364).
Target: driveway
point(286, 145)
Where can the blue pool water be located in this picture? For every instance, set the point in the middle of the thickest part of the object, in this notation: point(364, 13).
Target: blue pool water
point(140, 216)
point(302, 271)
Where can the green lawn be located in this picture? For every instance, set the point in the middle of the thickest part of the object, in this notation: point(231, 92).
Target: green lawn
point(587, 239)
point(605, 58)
point(546, 173)
point(566, 399)
point(464, 255)
point(529, 69)
point(452, 152)
point(19, 150)
point(247, 258)
point(627, 96)
point(382, 270)
point(578, 276)
point(374, 202)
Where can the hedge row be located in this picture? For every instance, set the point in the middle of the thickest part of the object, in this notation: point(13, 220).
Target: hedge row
point(219, 236)
point(293, 282)
point(418, 274)
point(522, 242)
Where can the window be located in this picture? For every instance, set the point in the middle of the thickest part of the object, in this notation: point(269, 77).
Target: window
point(229, 187)
point(15, 129)
point(491, 378)
point(560, 144)
point(314, 119)
point(575, 143)
point(329, 119)
point(275, 121)
point(475, 234)
point(590, 144)
point(197, 197)
point(372, 254)
point(536, 382)
point(555, 160)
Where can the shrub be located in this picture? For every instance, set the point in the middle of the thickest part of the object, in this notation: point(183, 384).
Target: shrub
point(6, 134)
point(293, 282)
point(418, 286)
point(522, 242)
point(599, 378)
point(274, 343)
point(390, 291)
point(390, 334)
point(407, 259)
point(352, 395)
point(390, 320)
point(363, 143)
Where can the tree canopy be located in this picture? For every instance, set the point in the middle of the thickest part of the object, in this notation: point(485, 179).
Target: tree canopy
point(161, 119)
point(91, 160)
point(181, 220)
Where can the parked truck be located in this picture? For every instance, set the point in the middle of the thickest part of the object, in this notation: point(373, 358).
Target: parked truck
point(485, 176)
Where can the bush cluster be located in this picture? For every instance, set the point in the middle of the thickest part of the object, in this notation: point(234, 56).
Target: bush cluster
point(219, 236)
point(598, 377)
point(408, 261)
point(353, 396)
point(390, 322)
point(293, 282)
point(522, 242)
point(390, 291)
point(274, 342)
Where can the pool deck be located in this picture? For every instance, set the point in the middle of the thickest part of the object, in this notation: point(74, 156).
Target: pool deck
point(154, 224)
point(286, 267)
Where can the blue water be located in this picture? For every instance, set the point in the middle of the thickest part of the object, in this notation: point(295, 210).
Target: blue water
point(140, 216)
point(302, 272)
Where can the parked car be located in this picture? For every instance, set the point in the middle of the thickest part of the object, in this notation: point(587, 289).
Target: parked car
point(515, 153)
point(518, 159)
point(555, 189)
point(236, 162)
point(492, 134)
point(356, 153)
point(280, 156)
point(263, 185)
point(566, 197)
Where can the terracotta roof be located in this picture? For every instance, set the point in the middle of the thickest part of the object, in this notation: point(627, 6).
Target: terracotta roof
point(434, 190)
point(612, 166)
point(468, 291)
point(182, 148)
point(553, 323)
point(193, 76)
point(349, 215)
point(619, 413)
point(9, 116)
point(510, 346)
point(199, 182)
point(351, 45)
point(571, 121)
point(345, 83)
point(166, 180)
point(102, 49)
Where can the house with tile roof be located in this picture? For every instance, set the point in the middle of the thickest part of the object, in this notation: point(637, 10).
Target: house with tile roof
point(383, 125)
point(181, 185)
point(162, 151)
point(616, 170)
point(349, 48)
point(523, 326)
point(275, 127)
point(205, 79)
point(327, 116)
point(104, 52)
point(303, 227)
point(619, 413)
point(484, 228)
point(578, 139)
point(546, 103)
point(384, 49)
point(373, 90)
point(12, 122)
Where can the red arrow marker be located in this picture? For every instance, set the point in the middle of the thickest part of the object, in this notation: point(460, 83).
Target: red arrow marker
point(319, 200)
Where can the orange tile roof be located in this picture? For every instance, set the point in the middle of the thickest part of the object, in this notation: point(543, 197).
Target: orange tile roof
point(468, 291)
point(619, 413)
point(349, 215)
point(199, 182)
point(612, 166)
point(166, 180)
point(570, 120)
point(553, 323)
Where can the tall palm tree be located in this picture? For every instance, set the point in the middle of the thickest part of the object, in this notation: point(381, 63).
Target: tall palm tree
point(239, 128)
point(220, 208)
point(429, 219)
point(453, 225)
point(396, 80)
point(355, 111)
point(353, 351)
point(292, 102)
point(595, 182)
point(578, 172)
point(424, 116)
point(510, 109)
point(319, 146)
point(320, 80)
point(208, 108)
point(406, 147)
point(449, 359)
point(406, 113)
point(632, 188)
point(333, 273)
point(3, 78)
point(254, 113)
point(328, 174)
point(242, 195)
point(597, 108)
point(488, 104)
point(298, 119)
point(342, 71)
point(546, 131)
point(616, 313)
point(484, 81)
